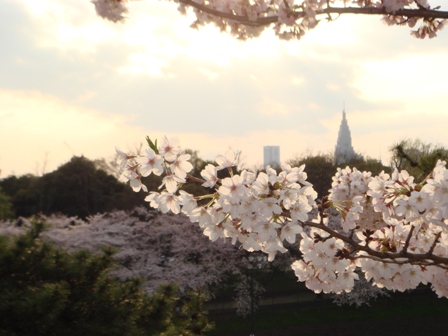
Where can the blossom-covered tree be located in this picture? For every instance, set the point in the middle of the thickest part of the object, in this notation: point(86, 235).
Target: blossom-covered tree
point(392, 229)
point(290, 19)
point(158, 248)
point(45, 290)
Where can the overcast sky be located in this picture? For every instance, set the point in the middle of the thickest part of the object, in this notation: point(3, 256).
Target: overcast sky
point(74, 84)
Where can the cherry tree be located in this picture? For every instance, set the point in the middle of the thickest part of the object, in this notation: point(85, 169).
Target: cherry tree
point(290, 19)
point(392, 230)
point(158, 248)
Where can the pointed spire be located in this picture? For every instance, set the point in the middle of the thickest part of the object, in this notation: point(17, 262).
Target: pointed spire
point(344, 150)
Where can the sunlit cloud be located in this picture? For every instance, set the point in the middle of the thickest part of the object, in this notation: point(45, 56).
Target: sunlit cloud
point(211, 75)
point(69, 26)
point(140, 64)
point(154, 75)
point(298, 80)
point(421, 74)
point(37, 126)
point(269, 106)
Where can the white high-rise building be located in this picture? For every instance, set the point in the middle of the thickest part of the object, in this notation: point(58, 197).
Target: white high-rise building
point(344, 151)
point(271, 156)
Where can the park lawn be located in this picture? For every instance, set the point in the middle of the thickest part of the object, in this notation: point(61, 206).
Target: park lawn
point(401, 311)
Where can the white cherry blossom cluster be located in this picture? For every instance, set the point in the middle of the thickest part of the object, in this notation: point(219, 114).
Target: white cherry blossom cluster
point(405, 222)
point(246, 207)
point(290, 19)
point(392, 229)
point(321, 268)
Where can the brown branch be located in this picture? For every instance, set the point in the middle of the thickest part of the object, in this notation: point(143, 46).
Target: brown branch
point(436, 240)
point(403, 262)
point(408, 239)
point(423, 13)
point(412, 258)
point(191, 178)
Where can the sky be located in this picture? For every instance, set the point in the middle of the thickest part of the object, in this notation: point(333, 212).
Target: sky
point(72, 83)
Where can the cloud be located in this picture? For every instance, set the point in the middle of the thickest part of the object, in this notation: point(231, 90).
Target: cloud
point(153, 75)
point(410, 77)
point(35, 126)
point(270, 107)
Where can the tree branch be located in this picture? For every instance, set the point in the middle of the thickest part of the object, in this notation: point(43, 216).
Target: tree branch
point(412, 258)
point(427, 14)
point(408, 239)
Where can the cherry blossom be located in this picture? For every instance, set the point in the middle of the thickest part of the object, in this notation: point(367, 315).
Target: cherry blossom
point(169, 149)
point(180, 166)
point(391, 230)
point(291, 19)
point(171, 182)
point(290, 231)
point(210, 176)
point(226, 161)
point(156, 247)
point(168, 202)
point(151, 163)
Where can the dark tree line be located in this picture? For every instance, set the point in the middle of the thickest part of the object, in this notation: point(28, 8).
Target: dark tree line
point(77, 188)
point(80, 188)
point(6, 210)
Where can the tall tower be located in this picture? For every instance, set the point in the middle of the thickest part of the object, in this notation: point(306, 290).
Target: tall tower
point(344, 151)
point(271, 155)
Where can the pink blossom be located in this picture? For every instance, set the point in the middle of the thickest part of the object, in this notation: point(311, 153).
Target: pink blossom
point(169, 202)
point(151, 163)
point(226, 161)
point(180, 166)
point(171, 182)
point(169, 149)
point(233, 188)
point(210, 175)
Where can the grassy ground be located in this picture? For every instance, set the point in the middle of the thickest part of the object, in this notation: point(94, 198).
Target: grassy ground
point(410, 313)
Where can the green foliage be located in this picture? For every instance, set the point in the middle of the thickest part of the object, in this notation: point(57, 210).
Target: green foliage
point(152, 145)
point(24, 194)
point(416, 157)
point(6, 210)
point(48, 291)
point(77, 188)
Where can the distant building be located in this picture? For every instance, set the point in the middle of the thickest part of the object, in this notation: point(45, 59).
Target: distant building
point(271, 156)
point(344, 151)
